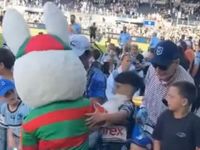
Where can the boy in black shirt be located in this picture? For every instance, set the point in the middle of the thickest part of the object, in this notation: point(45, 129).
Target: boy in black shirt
point(178, 128)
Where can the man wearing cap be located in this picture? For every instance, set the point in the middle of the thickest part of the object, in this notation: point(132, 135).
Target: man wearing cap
point(164, 71)
point(81, 46)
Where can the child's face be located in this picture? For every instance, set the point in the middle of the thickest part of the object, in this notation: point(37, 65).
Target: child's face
point(126, 62)
point(11, 97)
point(124, 89)
point(174, 99)
point(138, 65)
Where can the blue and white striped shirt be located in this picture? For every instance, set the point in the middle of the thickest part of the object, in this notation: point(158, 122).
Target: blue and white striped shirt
point(13, 119)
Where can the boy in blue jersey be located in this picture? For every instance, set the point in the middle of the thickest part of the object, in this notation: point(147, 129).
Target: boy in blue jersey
point(12, 113)
point(7, 60)
point(124, 37)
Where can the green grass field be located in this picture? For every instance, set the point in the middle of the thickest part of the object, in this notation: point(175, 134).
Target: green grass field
point(101, 44)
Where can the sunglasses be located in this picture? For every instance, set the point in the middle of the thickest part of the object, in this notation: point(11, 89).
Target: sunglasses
point(161, 67)
point(165, 102)
point(136, 63)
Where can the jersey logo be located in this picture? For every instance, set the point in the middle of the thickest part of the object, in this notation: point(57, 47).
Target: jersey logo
point(181, 134)
point(19, 117)
point(159, 51)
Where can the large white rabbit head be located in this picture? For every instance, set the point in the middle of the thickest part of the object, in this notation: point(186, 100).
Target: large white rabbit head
point(46, 69)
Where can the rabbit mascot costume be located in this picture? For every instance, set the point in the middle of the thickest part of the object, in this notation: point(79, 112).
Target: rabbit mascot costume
point(51, 79)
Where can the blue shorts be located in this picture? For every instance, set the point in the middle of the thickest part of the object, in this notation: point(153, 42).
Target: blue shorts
point(140, 138)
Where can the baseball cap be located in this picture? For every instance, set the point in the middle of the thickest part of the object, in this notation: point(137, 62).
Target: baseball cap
point(5, 86)
point(79, 44)
point(165, 52)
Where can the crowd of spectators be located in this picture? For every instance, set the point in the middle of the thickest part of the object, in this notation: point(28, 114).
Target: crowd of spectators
point(166, 78)
point(164, 27)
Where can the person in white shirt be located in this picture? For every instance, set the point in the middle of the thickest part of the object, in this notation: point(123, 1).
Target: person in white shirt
point(125, 65)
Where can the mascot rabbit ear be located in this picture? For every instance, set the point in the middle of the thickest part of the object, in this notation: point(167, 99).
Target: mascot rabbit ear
point(15, 30)
point(55, 22)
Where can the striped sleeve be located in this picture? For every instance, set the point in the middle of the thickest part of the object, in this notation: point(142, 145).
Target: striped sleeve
point(128, 107)
point(29, 141)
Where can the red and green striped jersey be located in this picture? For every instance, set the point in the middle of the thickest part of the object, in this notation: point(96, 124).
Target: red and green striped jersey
point(57, 126)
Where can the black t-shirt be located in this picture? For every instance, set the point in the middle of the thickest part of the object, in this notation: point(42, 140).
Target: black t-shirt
point(93, 30)
point(177, 134)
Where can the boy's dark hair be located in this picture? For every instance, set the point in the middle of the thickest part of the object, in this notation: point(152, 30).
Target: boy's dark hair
point(85, 58)
point(96, 54)
point(86, 54)
point(106, 68)
point(131, 78)
point(73, 16)
point(186, 90)
point(118, 51)
point(7, 58)
point(140, 58)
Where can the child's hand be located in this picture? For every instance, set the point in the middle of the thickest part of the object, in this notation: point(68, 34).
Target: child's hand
point(94, 118)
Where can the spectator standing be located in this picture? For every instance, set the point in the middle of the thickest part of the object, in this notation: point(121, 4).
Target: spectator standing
point(124, 37)
point(195, 72)
point(165, 71)
point(81, 47)
point(125, 65)
point(154, 41)
point(139, 65)
point(7, 60)
point(189, 53)
point(112, 56)
point(93, 30)
point(183, 60)
point(177, 128)
point(12, 113)
point(74, 28)
point(134, 50)
point(96, 83)
point(182, 38)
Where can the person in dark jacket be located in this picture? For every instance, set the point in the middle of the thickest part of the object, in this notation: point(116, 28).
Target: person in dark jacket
point(96, 84)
